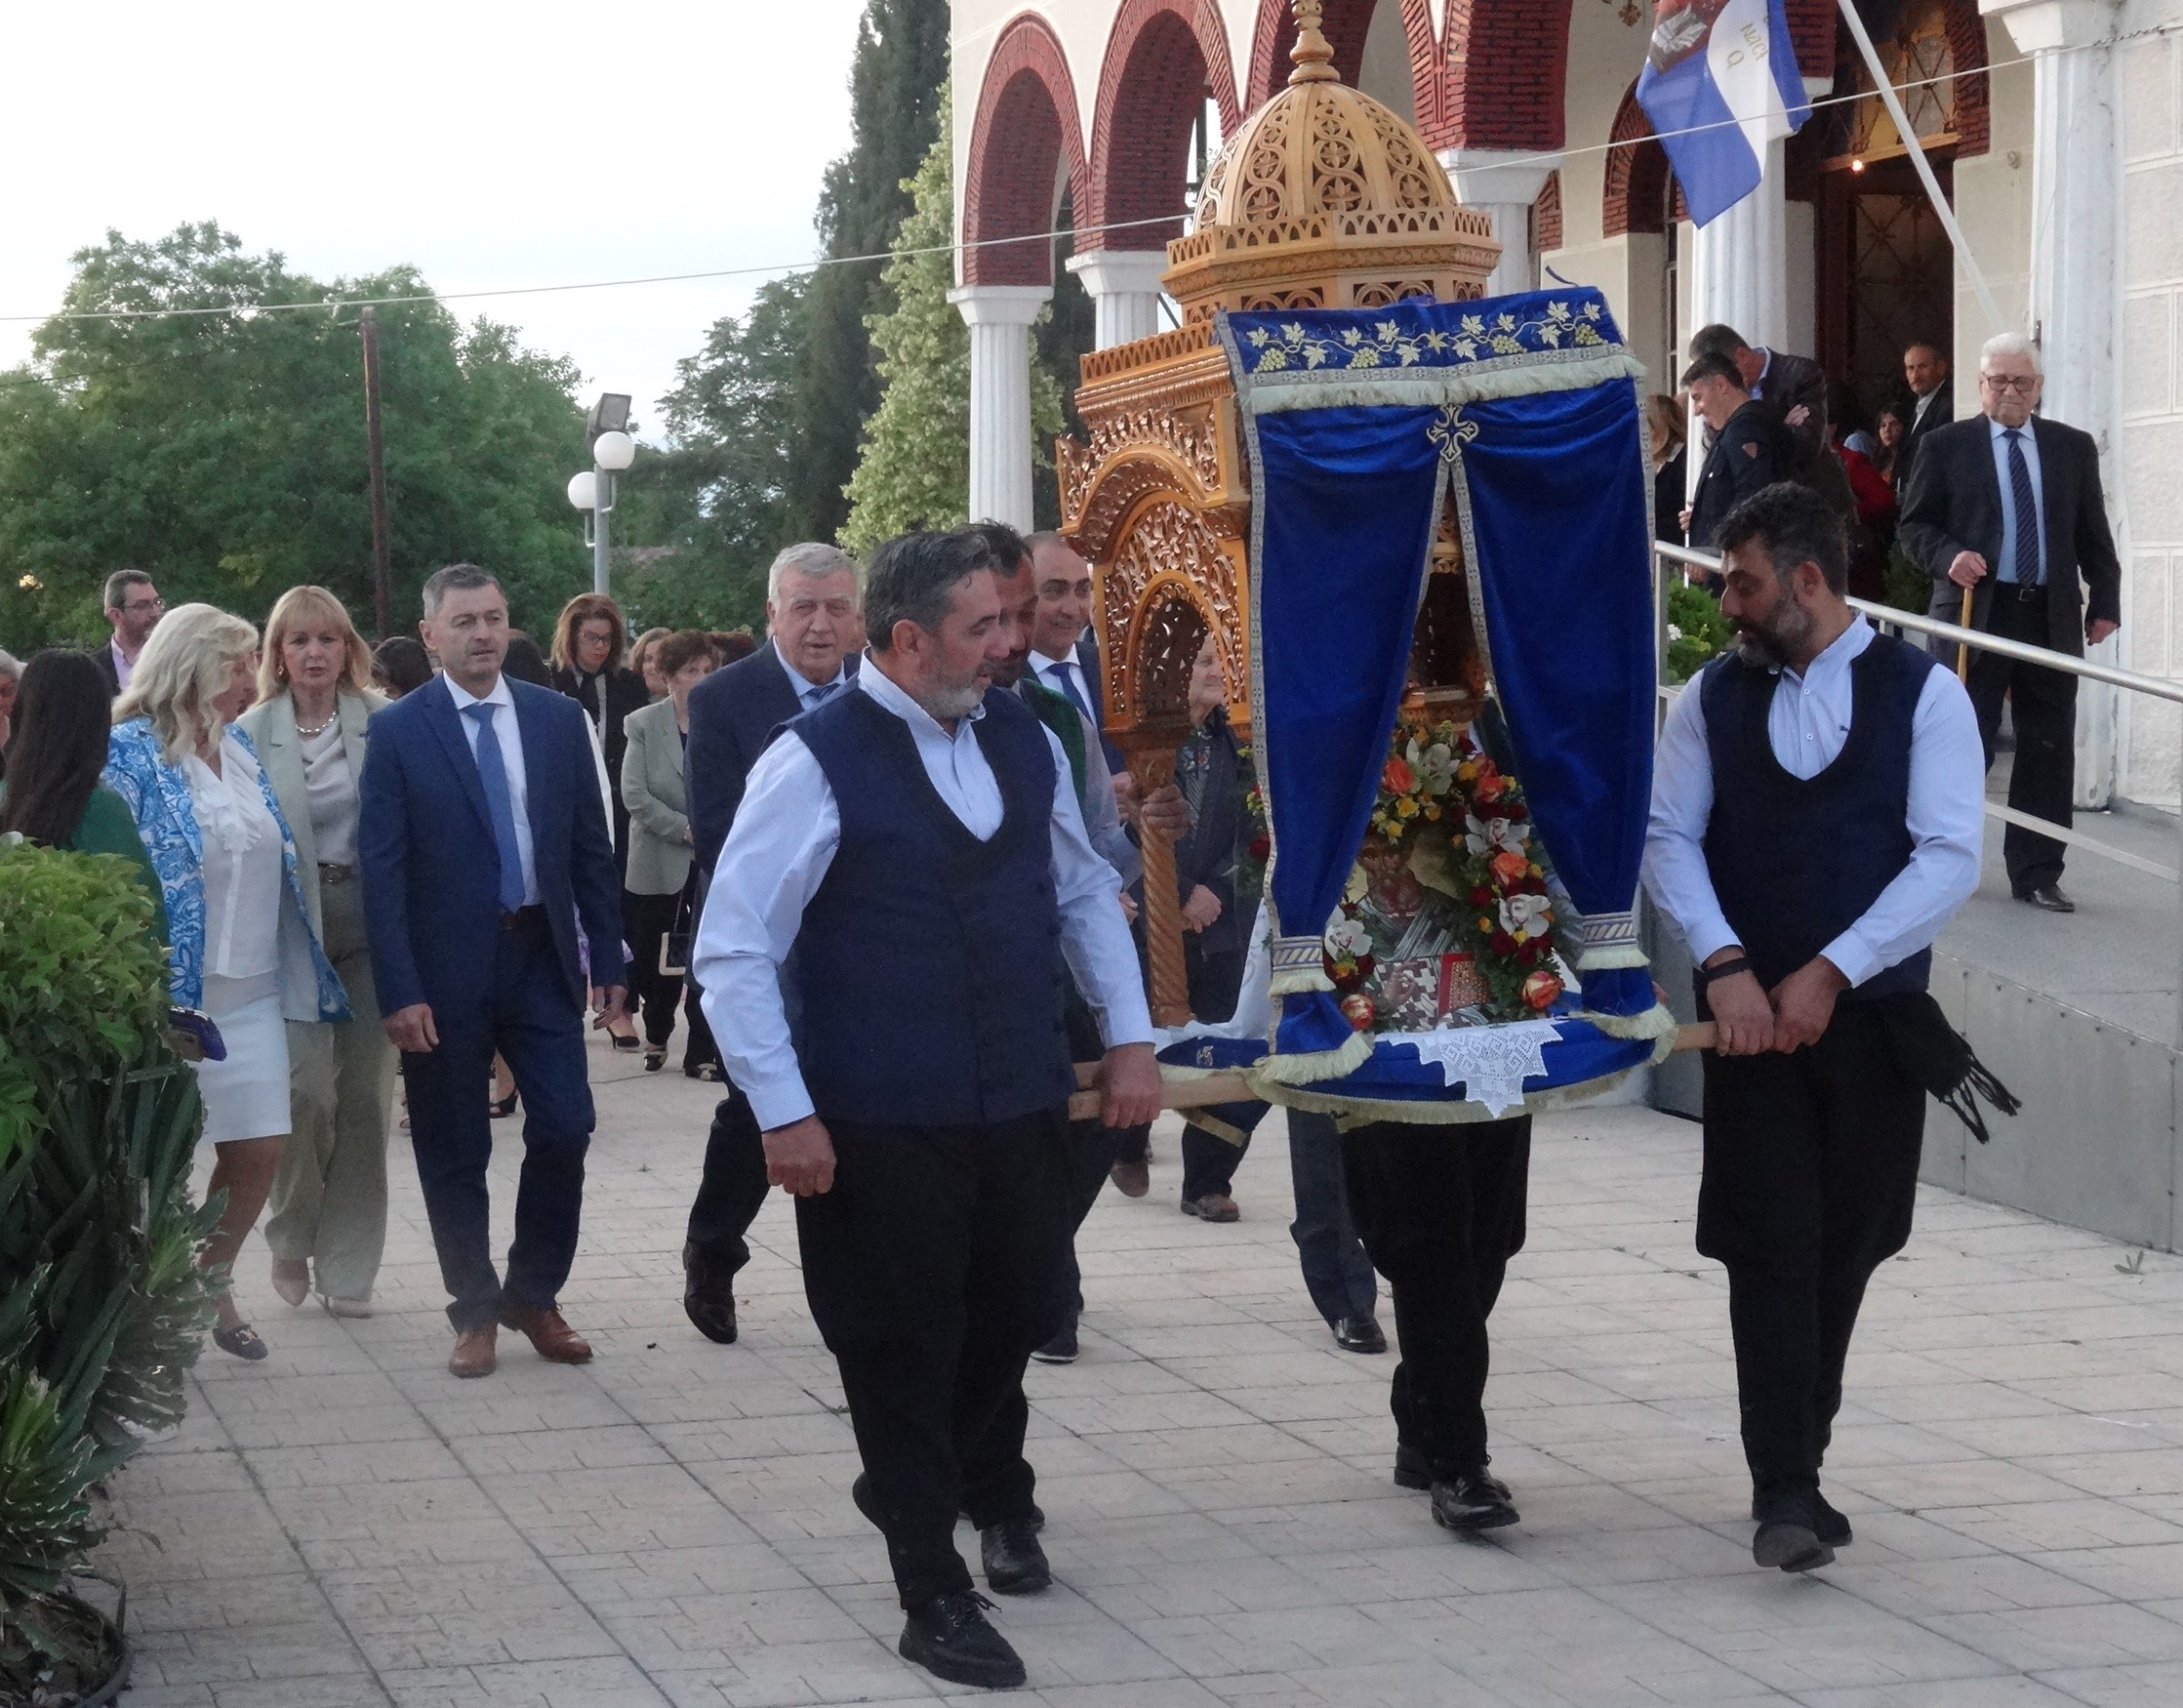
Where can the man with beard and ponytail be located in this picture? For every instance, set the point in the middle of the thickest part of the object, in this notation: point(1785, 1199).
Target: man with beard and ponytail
point(883, 954)
point(1818, 797)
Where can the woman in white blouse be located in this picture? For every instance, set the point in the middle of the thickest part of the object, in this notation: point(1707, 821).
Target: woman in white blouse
point(326, 1220)
point(243, 946)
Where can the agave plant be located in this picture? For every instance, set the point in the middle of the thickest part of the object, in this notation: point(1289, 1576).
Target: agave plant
point(102, 1304)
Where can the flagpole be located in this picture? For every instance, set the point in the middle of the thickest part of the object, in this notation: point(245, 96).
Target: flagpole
point(1947, 214)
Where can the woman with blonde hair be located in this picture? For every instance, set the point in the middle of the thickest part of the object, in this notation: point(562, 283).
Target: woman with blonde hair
point(244, 949)
point(326, 1220)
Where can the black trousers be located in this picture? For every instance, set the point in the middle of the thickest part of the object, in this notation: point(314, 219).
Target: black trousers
point(732, 1190)
point(654, 994)
point(1810, 1176)
point(1441, 1211)
point(933, 1270)
point(2042, 707)
point(532, 1022)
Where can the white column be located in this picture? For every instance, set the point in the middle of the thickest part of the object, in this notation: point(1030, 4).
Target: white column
point(1123, 285)
point(1503, 184)
point(1000, 318)
point(1739, 267)
point(2076, 295)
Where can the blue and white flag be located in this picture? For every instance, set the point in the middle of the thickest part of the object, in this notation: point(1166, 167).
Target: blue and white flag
point(1720, 84)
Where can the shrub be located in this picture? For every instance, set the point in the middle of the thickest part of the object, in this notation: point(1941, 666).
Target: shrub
point(101, 1303)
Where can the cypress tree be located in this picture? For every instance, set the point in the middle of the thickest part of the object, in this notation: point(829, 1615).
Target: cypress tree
point(901, 64)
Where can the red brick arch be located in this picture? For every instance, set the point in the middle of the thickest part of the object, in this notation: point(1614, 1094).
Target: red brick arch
point(1161, 57)
point(1025, 126)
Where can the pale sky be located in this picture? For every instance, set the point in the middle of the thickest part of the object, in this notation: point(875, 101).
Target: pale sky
point(488, 142)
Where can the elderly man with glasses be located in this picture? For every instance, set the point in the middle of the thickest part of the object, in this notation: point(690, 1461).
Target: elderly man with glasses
point(2005, 507)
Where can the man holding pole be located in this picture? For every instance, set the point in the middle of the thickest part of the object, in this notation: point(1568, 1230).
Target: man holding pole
point(1816, 813)
point(881, 957)
point(2004, 512)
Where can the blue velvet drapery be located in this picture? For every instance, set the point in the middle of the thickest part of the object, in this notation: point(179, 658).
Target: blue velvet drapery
point(1358, 420)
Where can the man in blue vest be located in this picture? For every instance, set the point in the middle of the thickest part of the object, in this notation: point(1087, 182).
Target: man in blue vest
point(881, 957)
point(1817, 805)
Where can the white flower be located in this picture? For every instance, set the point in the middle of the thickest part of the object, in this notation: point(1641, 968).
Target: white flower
point(1484, 838)
point(1347, 939)
point(1525, 915)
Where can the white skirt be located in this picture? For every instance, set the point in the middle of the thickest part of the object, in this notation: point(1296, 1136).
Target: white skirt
point(246, 1096)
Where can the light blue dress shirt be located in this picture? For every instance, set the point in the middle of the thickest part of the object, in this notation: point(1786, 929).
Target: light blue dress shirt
point(2005, 570)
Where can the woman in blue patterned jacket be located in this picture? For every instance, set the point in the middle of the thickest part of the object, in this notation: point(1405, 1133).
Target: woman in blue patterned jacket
point(244, 951)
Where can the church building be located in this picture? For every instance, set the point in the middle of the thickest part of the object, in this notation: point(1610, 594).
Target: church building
point(2054, 127)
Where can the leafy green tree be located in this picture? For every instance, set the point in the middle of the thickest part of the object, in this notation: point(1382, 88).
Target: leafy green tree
point(224, 451)
point(894, 112)
point(915, 467)
point(714, 507)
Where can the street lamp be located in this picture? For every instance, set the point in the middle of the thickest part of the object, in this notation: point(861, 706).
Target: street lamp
point(591, 490)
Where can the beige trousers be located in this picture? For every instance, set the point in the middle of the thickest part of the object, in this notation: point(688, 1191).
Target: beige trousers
point(329, 1197)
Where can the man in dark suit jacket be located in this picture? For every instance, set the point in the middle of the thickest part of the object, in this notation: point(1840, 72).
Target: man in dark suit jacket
point(482, 842)
point(2007, 510)
point(1931, 405)
point(1749, 453)
point(813, 624)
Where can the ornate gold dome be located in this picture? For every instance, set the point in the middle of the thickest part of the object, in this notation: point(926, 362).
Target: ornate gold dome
point(1326, 198)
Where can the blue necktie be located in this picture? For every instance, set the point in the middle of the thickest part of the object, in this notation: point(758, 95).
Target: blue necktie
point(1067, 672)
point(2027, 510)
point(493, 773)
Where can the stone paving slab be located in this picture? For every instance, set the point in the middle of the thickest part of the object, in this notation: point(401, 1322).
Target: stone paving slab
point(344, 1526)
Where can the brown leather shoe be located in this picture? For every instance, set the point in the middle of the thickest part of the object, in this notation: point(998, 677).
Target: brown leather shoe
point(476, 1351)
point(549, 1332)
point(1132, 1176)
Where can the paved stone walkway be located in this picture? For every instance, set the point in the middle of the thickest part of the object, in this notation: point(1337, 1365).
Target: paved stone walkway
point(344, 1524)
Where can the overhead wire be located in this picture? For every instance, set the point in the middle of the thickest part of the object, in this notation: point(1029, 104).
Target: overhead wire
point(333, 303)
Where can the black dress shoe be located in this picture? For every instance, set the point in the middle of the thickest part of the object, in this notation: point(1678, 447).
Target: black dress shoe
point(1788, 1534)
point(1472, 1501)
point(949, 1637)
point(2047, 896)
point(1062, 1349)
point(709, 1294)
point(1359, 1333)
point(1412, 1471)
point(1015, 1563)
point(1828, 1524)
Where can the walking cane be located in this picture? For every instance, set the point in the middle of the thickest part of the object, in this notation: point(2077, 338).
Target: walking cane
point(1963, 647)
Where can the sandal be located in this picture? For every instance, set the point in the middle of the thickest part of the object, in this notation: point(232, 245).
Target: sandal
point(242, 1341)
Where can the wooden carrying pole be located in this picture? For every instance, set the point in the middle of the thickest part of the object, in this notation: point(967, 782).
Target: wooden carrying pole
point(1204, 1091)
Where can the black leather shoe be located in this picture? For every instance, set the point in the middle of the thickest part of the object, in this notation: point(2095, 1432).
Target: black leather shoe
point(1062, 1349)
point(709, 1294)
point(1472, 1501)
point(1015, 1563)
point(1788, 1534)
point(2047, 896)
point(1359, 1333)
point(1828, 1524)
point(1412, 1472)
point(949, 1637)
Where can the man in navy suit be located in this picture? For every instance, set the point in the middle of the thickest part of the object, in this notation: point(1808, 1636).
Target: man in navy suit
point(815, 626)
point(483, 842)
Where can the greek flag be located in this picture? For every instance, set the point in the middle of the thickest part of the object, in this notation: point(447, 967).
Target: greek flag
point(1721, 82)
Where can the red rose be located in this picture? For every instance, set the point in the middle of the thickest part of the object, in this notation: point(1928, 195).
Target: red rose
point(1502, 943)
point(1540, 991)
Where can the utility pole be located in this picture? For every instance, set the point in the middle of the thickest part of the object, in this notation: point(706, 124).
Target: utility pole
point(383, 590)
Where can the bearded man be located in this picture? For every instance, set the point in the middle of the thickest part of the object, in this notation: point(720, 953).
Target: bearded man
point(1817, 804)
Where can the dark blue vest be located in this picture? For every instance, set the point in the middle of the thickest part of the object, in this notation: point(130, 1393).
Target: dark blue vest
point(1796, 861)
point(928, 969)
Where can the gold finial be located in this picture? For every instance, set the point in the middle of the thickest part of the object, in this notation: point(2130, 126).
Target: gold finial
point(1313, 57)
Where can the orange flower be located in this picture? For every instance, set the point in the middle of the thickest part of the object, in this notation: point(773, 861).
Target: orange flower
point(1508, 868)
point(1540, 990)
point(1398, 777)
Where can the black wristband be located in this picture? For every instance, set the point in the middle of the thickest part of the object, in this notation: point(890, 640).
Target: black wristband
point(1735, 963)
